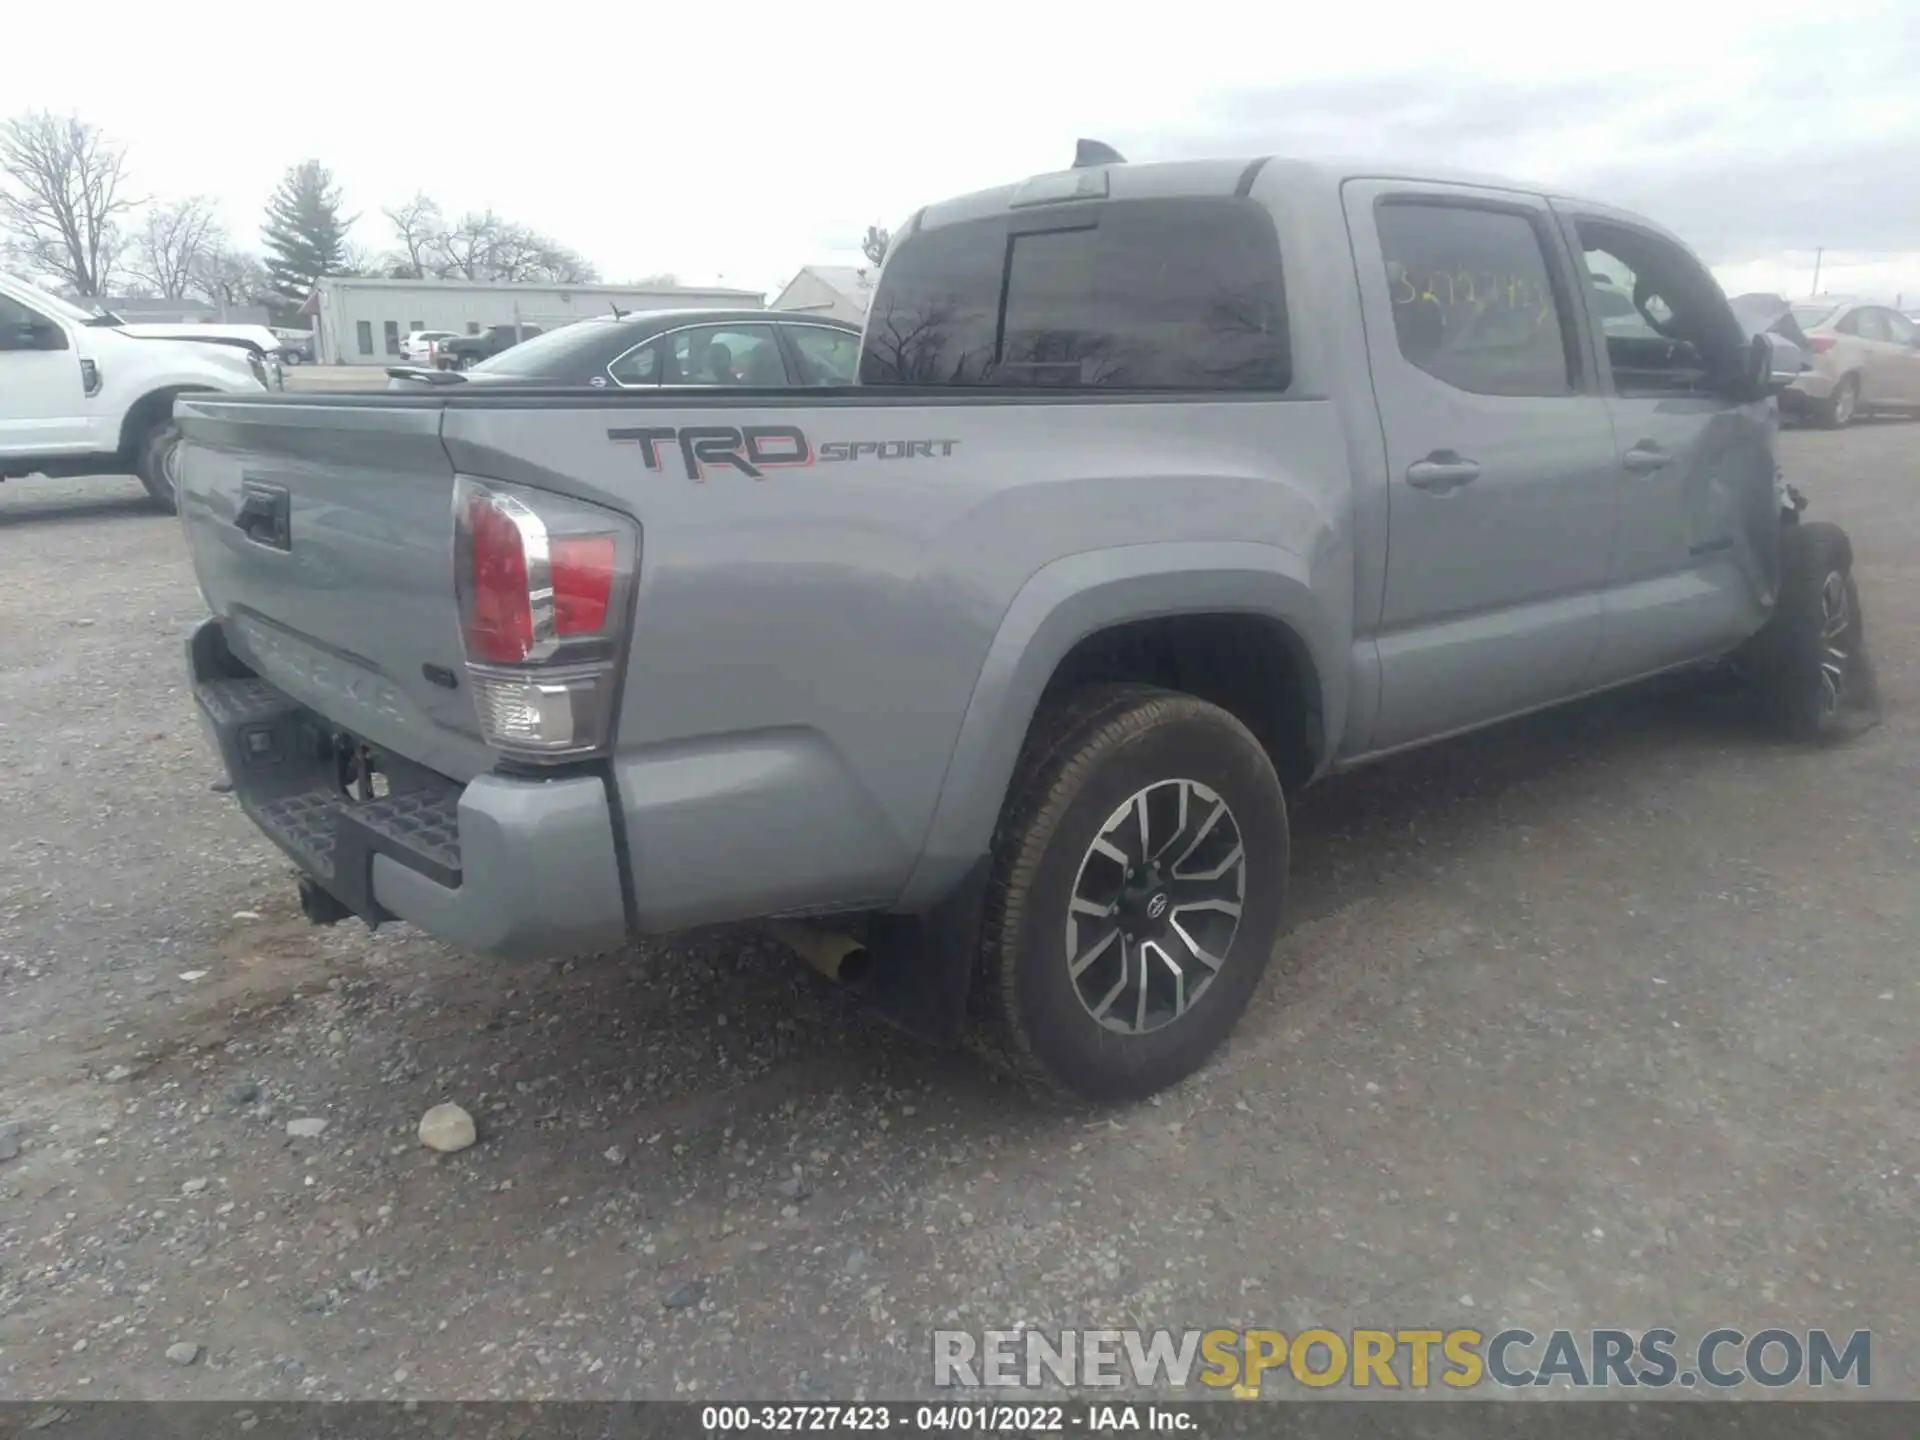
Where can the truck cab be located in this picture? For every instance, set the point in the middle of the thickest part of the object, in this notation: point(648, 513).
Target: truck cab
point(79, 395)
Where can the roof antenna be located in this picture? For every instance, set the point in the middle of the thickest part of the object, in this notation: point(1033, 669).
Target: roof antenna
point(618, 313)
point(1094, 152)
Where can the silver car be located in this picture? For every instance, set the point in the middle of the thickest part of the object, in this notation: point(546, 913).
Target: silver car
point(1863, 357)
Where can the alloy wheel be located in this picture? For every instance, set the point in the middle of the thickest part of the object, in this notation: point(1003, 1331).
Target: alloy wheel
point(1845, 402)
point(1155, 906)
point(1836, 625)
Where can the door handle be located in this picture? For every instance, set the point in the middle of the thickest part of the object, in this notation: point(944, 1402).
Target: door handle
point(1442, 471)
point(1645, 458)
point(265, 516)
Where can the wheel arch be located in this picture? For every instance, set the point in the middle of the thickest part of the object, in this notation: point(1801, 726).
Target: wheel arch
point(1084, 618)
point(148, 410)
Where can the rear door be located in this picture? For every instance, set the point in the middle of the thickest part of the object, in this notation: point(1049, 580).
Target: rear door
point(1903, 361)
point(1692, 555)
point(1881, 362)
point(1501, 466)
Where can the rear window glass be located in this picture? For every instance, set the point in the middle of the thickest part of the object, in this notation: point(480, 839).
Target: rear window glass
point(1808, 316)
point(1163, 294)
point(541, 351)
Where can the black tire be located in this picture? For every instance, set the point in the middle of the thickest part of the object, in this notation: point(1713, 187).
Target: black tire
point(1838, 410)
point(153, 459)
point(1809, 665)
point(1085, 759)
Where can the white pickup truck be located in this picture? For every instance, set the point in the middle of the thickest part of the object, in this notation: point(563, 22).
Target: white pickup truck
point(79, 395)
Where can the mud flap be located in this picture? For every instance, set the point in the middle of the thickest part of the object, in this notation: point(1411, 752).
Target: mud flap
point(923, 965)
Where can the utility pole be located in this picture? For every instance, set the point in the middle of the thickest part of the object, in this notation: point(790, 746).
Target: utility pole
point(1816, 268)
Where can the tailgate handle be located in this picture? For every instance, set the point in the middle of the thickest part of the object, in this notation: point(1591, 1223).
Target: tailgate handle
point(266, 515)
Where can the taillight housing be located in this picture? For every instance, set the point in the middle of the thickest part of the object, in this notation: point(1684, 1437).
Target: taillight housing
point(1821, 343)
point(545, 585)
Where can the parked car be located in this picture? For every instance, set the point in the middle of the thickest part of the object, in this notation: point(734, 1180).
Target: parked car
point(418, 345)
point(646, 349)
point(993, 675)
point(80, 394)
point(461, 352)
point(296, 346)
point(1864, 357)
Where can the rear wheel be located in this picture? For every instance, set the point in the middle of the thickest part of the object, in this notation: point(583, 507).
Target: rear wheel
point(157, 462)
point(1839, 408)
point(1138, 884)
point(1809, 663)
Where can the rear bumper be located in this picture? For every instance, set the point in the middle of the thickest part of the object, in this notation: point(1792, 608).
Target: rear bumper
point(1812, 386)
point(499, 866)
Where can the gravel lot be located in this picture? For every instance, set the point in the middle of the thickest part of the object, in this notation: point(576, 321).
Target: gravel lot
point(1607, 1018)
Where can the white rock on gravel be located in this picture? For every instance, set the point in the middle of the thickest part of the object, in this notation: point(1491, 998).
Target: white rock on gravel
point(306, 1129)
point(447, 1128)
point(185, 1353)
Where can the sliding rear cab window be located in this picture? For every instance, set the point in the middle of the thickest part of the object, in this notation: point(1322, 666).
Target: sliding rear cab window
point(1148, 294)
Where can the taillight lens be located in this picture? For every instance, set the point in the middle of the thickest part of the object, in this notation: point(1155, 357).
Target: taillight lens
point(582, 568)
point(544, 584)
point(1821, 343)
point(499, 619)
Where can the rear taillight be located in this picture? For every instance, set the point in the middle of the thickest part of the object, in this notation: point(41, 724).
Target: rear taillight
point(1820, 344)
point(545, 586)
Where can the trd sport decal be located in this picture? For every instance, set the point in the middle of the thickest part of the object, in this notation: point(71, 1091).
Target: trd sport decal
point(755, 449)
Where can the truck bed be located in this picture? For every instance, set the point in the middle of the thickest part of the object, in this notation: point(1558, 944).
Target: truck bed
point(833, 589)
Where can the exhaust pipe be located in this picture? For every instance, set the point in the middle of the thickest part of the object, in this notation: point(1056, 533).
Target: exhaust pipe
point(834, 953)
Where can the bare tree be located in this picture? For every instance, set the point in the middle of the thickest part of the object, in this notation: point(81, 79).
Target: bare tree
point(170, 242)
point(417, 225)
point(61, 195)
point(231, 278)
point(480, 245)
point(874, 244)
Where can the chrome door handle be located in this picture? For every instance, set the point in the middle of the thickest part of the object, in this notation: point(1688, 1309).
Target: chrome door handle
point(1645, 458)
point(1442, 471)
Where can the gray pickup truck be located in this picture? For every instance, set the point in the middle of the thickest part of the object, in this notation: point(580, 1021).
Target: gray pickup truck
point(1166, 490)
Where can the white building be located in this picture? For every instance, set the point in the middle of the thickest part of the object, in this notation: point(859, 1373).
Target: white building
point(360, 321)
point(842, 291)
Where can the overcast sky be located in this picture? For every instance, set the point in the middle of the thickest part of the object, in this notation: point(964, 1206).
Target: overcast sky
point(736, 143)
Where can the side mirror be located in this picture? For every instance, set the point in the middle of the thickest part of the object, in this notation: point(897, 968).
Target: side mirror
point(1773, 363)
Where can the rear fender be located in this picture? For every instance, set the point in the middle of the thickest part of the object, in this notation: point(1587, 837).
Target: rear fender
point(1060, 606)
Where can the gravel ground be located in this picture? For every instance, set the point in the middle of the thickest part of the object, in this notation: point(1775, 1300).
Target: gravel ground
point(1606, 1018)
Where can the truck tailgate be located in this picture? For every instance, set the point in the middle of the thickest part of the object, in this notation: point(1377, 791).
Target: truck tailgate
point(322, 534)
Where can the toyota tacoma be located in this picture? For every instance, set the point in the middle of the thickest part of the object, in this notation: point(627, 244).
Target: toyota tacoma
point(1165, 491)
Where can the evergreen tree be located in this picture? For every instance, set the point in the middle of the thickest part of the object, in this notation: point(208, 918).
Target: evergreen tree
point(305, 235)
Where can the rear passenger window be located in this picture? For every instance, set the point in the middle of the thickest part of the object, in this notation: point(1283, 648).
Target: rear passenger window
point(1870, 326)
point(639, 366)
point(1473, 299)
point(1154, 295)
